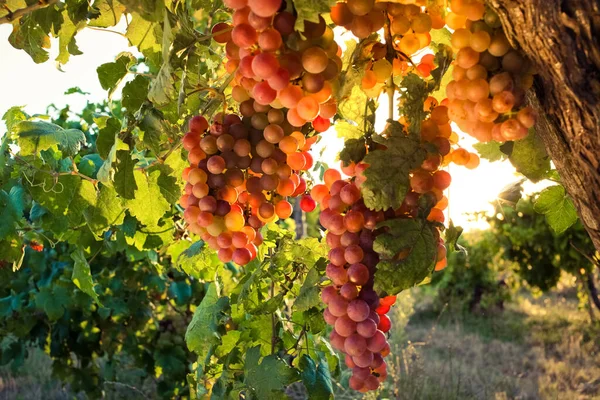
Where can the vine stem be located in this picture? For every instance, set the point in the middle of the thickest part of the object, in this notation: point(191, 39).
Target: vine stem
point(14, 15)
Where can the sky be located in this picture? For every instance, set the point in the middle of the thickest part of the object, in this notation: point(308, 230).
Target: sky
point(35, 86)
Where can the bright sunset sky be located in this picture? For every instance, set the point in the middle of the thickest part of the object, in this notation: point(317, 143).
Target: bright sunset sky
point(37, 85)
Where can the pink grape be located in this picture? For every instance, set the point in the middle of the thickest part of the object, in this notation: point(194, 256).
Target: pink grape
point(358, 310)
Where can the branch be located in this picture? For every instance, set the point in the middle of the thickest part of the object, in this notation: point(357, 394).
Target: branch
point(14, 15)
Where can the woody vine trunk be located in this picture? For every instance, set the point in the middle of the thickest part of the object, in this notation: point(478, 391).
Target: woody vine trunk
point(562, 39)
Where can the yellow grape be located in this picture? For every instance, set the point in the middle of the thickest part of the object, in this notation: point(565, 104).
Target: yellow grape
point(460, 38)
point(480, 41)
point(382, 69)
point(455, 21)
point(410, 44)
point(424, 39)
point(499, 45)
point(369, 80)
point(421, 23)
point(400, 25)
point(234, 221)
point(467, 57)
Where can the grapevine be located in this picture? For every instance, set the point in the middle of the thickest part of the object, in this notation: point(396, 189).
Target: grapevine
point(209, 160)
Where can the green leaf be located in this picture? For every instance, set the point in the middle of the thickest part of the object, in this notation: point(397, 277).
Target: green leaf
point(154, 127)
point(53, 300)
point(268, 378)
point(490, 150)
point(69, 196)
point(529, 157)
point(228, 343)
point(10, 214)
point(111, 74)
point(148, 204)
point(107, 136)
point(558, 208)
point(354, 151)
point(443, 60)
point(511, 193)
point(408, 252)
point(13, 116)
point(162, 89)
point(412, 100)
point(135, 93)
point(108, 13)
point(66, 38)
point(309, 295)
point(196, 260)
point(203, 330)
point(316, 378)
point(143, 34)
point(82, 275)
point(352, 107)
point(451, 235)
point(310, 10)
point(36, 136)
point(29, 36)
point(125, 183)
point(348, 131)
point(387, 176)
point(107, 211)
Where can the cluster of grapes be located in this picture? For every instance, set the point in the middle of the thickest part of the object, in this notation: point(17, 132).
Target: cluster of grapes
point(487, 93)
point(268, 71)
point(242, 172)
point(437, 130)
point(354, 309)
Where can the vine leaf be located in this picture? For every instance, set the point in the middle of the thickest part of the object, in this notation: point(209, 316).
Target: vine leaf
point(558, 208)
point(310, 10)
point(388, 172)
point(491, 150)
point(82, 275)
point(354, 151)
point(107, 211)
point(452, 234)
point(408, 251)
point(107, 135)
point(309, 295)
point(268, 377)
point(112, 73)
point(29, 36)
point(529, 157)
point(135, 93)
point(107, 13)
point(125, 184)
point(195, 259)
point(316, 378)
point(203, 330)
point(53, 300)
point(148, 204)
point(36, 136)
point(11, 211)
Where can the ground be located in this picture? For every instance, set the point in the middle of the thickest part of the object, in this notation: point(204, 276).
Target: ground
point(536, 348)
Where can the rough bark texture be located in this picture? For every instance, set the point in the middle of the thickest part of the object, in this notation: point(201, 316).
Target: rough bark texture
point(562, 39)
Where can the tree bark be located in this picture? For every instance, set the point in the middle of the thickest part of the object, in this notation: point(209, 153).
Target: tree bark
point(593, 291)
point(561, 38)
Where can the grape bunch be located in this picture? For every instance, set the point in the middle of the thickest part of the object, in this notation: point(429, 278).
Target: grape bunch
point(354, 309)
point(487, 93)
point(242, 172)
point(274, 65)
